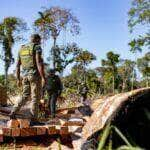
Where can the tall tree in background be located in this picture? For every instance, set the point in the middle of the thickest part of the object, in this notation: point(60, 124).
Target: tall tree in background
point(93, 82)
point(144, 67)
point(83, 59)
point(10, 29)
point(73, 80)
point(110, 65)
point(139, 14)
point(54, 20)
point(66, 55)
point(126, 72)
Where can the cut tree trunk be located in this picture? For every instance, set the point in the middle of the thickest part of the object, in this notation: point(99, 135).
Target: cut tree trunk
point(3, 95)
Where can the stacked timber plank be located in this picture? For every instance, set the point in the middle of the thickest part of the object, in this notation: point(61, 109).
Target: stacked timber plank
point(58, 126)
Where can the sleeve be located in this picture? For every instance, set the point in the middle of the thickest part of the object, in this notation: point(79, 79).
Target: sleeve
point(59, 83)
point(38, 49)
point(18, 57)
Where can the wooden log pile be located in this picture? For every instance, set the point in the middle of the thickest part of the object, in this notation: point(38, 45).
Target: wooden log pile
point(72, 120)
point(108, 110)
point(58, 126)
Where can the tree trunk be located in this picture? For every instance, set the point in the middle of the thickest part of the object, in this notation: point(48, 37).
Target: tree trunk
point(132, 86)
point(6, 73)
point(113, 84)
point(84, 73)
point(53, 54)
point(124, 85)
point(6, 82)
point(147, 82)
point(104, 87)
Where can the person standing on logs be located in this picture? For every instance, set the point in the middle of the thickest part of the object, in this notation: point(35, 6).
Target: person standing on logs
point(83, 91)
point(53, 88)
point(31, 62)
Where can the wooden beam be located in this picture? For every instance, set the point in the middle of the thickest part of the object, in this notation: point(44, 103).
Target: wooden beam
point(6, 131)
point(15, 132)
point(1, 136)
point(32, 131)
point(41, 130)
point(64, 130)
point(24, 123)
point(51, 130)
point(13, 123)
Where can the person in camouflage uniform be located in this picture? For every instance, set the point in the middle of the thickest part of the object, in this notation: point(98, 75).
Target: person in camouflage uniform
point(53, 88)
point(31, 62)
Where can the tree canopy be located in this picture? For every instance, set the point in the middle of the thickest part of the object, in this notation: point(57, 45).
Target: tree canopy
point(53, 20)
point(10, 32)
point(144, 67)
point(139, 14)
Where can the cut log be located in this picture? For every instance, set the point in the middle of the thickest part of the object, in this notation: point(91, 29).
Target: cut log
point(108, 109)
point(63, 116)
point(51, 130)
point(73, 123)
point(58, 127)
point(1, 136)
point(13, 123)
point(64, 112)
point(75, 129)
point(63, 121)
point(54, 121)
point(32, 131)
point(6, 131)
point(3, 95)
point(71, 111)
point(15, 132)
point(64, 130)
point(24, 123)
point(76, 115)
point(41, 130)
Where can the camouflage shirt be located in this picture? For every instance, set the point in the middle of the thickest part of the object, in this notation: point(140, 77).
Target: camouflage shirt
point(32, 71)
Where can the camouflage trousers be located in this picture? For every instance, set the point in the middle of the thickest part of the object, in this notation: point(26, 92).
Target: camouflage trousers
point(31, 89)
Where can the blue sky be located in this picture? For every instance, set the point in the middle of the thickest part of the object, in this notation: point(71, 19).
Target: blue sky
point(103, 24)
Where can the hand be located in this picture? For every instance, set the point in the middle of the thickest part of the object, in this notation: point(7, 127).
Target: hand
point(43, 82)
point(42, 101)
point(19, 82)
point(59, 92)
